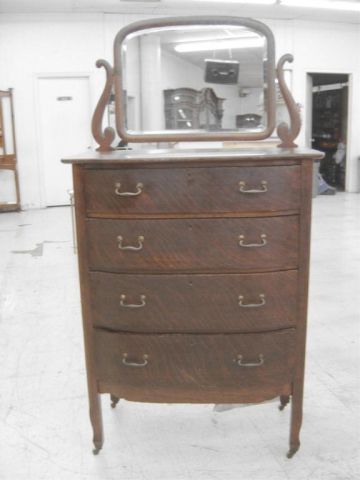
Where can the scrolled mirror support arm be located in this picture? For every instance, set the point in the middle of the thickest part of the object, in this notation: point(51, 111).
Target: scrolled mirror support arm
point(286, 133)
point(103, 137)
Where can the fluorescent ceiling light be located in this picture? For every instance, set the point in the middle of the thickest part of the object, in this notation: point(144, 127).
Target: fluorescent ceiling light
point(233, 43)
point(248, 2)
point(324, 4)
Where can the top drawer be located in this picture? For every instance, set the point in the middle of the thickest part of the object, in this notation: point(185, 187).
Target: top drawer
point(130, 192)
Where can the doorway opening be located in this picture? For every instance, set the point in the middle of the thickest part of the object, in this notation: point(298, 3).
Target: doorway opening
point(329, 95)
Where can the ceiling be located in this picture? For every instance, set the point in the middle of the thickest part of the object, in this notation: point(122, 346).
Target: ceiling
point(250, 59)
point(178, 7)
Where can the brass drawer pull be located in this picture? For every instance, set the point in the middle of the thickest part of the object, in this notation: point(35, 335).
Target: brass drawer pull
point(256, 364)
point(262, 244)
point(139, 189)
point(133, 305)
point(135, 364)
point(252, 305)
point(130, 247)
point(242, 187)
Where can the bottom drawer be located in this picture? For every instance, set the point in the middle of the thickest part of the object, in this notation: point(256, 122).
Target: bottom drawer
point(194, 361)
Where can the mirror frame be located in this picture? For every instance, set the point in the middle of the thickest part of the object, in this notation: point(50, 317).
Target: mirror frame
point(188, 136)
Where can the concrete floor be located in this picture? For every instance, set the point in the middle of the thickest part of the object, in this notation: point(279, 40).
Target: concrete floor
point(45, 432)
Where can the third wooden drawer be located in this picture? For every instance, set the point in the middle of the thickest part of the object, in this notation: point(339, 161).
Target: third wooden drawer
point(194, 303)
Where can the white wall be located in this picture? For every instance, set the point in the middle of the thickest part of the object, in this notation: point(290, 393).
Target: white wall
point(132, 78)
point(178, 73)
point(31, 45)
point(252, 102)
point(329, 48)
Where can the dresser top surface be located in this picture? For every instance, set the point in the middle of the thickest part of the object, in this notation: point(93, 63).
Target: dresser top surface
point(206, 155)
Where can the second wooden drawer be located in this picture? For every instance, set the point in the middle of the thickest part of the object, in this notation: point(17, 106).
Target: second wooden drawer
point(197, 245)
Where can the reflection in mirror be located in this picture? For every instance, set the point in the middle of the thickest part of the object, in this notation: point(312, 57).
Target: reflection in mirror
point(195, 78)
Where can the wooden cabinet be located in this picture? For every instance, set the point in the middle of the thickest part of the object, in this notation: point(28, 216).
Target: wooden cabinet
point(189, 109)
point(8, 162)
point(194, 274)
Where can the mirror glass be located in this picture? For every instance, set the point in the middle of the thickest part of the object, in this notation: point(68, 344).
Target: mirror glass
point(194, 79)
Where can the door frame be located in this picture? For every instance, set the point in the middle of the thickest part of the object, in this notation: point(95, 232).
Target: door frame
point(39, 150)
point(350, 170)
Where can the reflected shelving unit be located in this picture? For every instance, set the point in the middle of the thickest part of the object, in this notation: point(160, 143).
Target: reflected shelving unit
point(9, 180)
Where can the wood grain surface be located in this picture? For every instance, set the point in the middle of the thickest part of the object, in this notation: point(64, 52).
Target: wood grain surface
point(206, 245)
point(239, 394)
point(173, 157)
point(195, 190)
point(201, 361)
point(194, 303)
point(168, 276)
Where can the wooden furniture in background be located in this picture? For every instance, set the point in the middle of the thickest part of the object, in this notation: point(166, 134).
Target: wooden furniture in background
point(186, 108)
point(8, 158)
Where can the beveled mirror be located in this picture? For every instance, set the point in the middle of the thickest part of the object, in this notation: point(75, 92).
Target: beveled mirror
point(194, 79)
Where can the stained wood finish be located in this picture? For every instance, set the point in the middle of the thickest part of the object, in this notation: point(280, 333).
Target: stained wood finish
point(207, 245)
point(192, 158)
point(194, 303)
point(286, 133)
point(298, 382)
point(201, 361)
point(177, 394)
point(106, 137)
point(194, 190)
point(189, 269)
point(93, 393)
point(8, 160)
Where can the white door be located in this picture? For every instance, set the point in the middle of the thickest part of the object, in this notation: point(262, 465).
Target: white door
point(65, 130)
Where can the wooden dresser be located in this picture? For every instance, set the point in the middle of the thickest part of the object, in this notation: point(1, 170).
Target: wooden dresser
point(194, 276)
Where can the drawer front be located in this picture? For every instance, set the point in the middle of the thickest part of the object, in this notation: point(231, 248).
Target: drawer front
point(197, 245)
point(192, 190)
point(202, 361)
point(194, 303)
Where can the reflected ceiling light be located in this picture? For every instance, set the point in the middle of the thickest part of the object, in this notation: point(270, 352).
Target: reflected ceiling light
point(323, 4)
point(233, 43)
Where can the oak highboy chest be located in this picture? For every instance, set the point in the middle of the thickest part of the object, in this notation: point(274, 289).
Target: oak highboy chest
point(194, 273)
